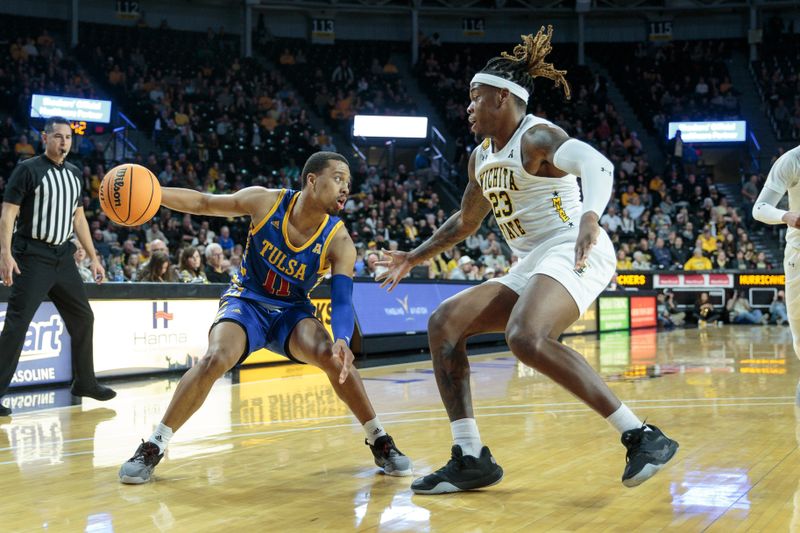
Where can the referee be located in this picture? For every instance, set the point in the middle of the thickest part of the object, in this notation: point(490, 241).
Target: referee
point(45, 192)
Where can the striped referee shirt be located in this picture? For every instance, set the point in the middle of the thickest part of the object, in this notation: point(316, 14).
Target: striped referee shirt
point(48, 195)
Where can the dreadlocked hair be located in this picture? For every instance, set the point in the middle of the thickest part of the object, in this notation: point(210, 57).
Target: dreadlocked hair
point(526, 62)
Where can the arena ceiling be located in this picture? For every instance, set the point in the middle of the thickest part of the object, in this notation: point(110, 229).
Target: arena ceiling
point(512, 6)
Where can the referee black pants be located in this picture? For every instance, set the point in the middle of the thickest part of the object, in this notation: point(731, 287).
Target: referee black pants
point(47, 270)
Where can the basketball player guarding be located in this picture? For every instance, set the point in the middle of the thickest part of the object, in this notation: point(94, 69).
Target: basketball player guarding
point(784, 176)
point(525, 172)
point(294, 239)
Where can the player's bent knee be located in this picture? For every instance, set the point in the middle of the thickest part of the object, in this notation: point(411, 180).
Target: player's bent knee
point(528, 347)
point(216, 362)
point(437, 320)
point(441, 325)
point(327, 362)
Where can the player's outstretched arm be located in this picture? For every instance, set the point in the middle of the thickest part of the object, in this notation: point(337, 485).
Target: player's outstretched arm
point(342, 257)
point(462, 224)
point(781, 176)
point(250, 201)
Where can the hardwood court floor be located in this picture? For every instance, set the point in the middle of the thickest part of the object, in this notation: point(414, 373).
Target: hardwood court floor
point(278, 452)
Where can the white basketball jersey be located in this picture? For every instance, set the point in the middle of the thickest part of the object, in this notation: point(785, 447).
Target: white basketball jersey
point(529, 209)
point(784, 176)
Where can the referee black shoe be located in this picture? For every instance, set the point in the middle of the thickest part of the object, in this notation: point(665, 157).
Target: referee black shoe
point(462, 472)
point(96, 391)
point(648, 452)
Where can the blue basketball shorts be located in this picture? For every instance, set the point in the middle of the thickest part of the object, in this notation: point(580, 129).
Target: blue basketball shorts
point(266, 326)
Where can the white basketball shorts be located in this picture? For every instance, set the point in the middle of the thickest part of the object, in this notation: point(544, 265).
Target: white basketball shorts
point(791, 267)
point(557, 260)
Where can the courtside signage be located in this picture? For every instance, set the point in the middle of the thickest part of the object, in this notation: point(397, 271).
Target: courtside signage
point(587, 323)
point(405, 310)
point(46, 353)
point(139, 336)
point(643, 312)
point(614, 313)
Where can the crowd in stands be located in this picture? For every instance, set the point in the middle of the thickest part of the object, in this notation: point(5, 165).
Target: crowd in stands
point(221, 123)
point(675, 81)
point(344, 80)
point(777, 78)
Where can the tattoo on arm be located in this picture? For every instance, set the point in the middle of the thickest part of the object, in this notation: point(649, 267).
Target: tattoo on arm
point(458, 227)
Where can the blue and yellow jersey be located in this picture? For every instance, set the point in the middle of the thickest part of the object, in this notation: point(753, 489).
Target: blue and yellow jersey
point(273, 270)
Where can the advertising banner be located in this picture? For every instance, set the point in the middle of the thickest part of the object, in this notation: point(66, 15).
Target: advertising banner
point(614, 313)
point(637, 280)
point(643, 312)
point(694, 281)
point(587, 323)
point(46, 354)
point(405, 310)
point(139, 336)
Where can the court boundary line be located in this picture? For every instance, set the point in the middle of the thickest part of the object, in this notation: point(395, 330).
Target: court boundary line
point(216, 438)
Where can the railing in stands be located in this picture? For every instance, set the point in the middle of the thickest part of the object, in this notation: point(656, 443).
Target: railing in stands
point(358, 152)
point(755, 153)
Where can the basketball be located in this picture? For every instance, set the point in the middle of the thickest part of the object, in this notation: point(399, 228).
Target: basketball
point(130, 194)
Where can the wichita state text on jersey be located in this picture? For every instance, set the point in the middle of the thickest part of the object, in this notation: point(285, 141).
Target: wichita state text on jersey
point(529, 209)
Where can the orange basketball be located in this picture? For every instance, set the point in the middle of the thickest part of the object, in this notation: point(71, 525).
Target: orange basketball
point(130, 195)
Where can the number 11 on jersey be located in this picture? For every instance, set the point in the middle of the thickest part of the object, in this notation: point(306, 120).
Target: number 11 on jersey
point(282, 288)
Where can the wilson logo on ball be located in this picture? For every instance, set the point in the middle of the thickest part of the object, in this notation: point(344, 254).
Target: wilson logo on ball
point(119, 183)
point(130, 195)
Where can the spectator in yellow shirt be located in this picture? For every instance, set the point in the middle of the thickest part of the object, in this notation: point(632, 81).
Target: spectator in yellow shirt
point(655, 183)
point(623, 261)
point(698, 261)
point(628, 195)
point(23, 148)
point(707, 241)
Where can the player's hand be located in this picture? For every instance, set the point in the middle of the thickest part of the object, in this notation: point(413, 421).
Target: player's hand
point(792, 219)
point(397, 267)
point(587, 237)
point(98, 272)
point(7, 268)
point(342, 352)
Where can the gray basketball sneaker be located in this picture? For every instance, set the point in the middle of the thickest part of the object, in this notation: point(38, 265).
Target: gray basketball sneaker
point(388, 457)
point(139, 468)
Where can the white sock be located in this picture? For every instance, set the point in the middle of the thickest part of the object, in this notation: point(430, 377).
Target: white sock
point(161, 436)
point(623, 419)
point(374, 430)
point(466, 434)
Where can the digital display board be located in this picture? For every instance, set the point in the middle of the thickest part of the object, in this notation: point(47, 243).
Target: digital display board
point(720, 131)
point(46, 106)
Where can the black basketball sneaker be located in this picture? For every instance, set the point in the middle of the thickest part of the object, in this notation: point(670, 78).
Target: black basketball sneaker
point(388, 457)
point(462, 472)
point(139, 468)
point(648, 452)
